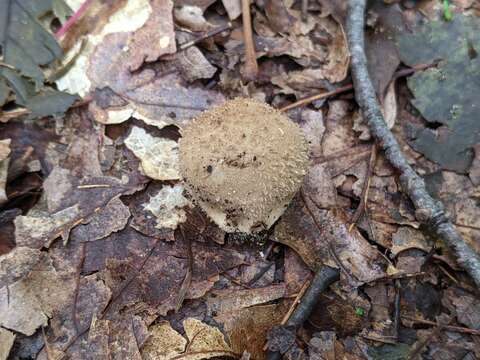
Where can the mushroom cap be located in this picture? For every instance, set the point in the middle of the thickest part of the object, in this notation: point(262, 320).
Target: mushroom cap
point(242, 163)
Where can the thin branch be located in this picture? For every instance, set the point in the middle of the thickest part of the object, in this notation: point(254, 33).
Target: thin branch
point(452, 328)
point(315, 97)
point(348, 87)
point(205, 36)
point(251, 66)
point(83, 247)
point(324, 277)
point(428, 210)
point(187, 280)
point(362, 206)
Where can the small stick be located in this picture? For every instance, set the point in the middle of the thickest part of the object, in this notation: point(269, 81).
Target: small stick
point(206, 35)
point(366, 186)
point(324, 277)
point(383, 340)
point(452, 328)
point(93, 186)
point(320, 96)
point(348, 87)
point(429, 211)
point(296, 301)
point(187, 280)
point(251, 66)
point(396, 312)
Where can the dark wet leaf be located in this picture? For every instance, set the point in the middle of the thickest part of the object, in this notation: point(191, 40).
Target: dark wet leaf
point(25, 43)
point(4, 91)
point(50, 102)
point(390, 352)
point(449, 94)
point(28, 47)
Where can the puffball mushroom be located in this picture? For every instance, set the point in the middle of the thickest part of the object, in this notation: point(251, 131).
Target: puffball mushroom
point(242, 163)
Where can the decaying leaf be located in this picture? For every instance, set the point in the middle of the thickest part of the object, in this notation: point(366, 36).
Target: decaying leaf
point(27, 47)
point(6, 343)
point(4, 161)
point(159, 156)
point(334, 245)
point(203, 342)
point(31, 301)
point(163, 343)
point(159, 26)
point(447, 94)
point(247, 328)
point(17, 264)
point(407, 238)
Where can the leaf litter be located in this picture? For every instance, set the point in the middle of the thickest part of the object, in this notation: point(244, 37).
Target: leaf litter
point(102, 253)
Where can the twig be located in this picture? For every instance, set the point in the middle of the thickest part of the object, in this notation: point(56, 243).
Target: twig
point(205, 36)
point(396, 311)
point(383, 340)
point(251, 66)
point(77, 287)
point(187, 280)
point(296, 301)
point(73, 19)
point(362, 206)
point(428, 210)
point(452, 328)
point(324, 277)
point(315, 97)
point(115, 296)
point(348, 87)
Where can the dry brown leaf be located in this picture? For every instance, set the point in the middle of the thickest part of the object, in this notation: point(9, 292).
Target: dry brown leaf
point(297, 273)
point(407, 238)
point(4, 162)
point(126, 16)
point(17, 264)
point(154, 39)
point(30, 302)
point(113, 217)
point(192, 18)
point(474, 171)
point(231, 300)
point(39, 228)
point(203, 342)
point(313, 128)
point(247, 328)
point(193, 65)
point(465, 306)
point(321, 237)
point(158, 98)
point(233, 8)
point(6, 342)
point(164, 342)
point(167, 207)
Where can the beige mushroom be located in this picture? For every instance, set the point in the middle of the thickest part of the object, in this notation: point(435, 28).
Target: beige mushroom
point(242, 163)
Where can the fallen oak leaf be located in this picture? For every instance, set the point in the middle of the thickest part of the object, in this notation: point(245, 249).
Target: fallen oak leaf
point(28, 303)
point(203, 342)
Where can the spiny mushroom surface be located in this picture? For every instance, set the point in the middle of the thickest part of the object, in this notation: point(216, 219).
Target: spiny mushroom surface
point(242, 163)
